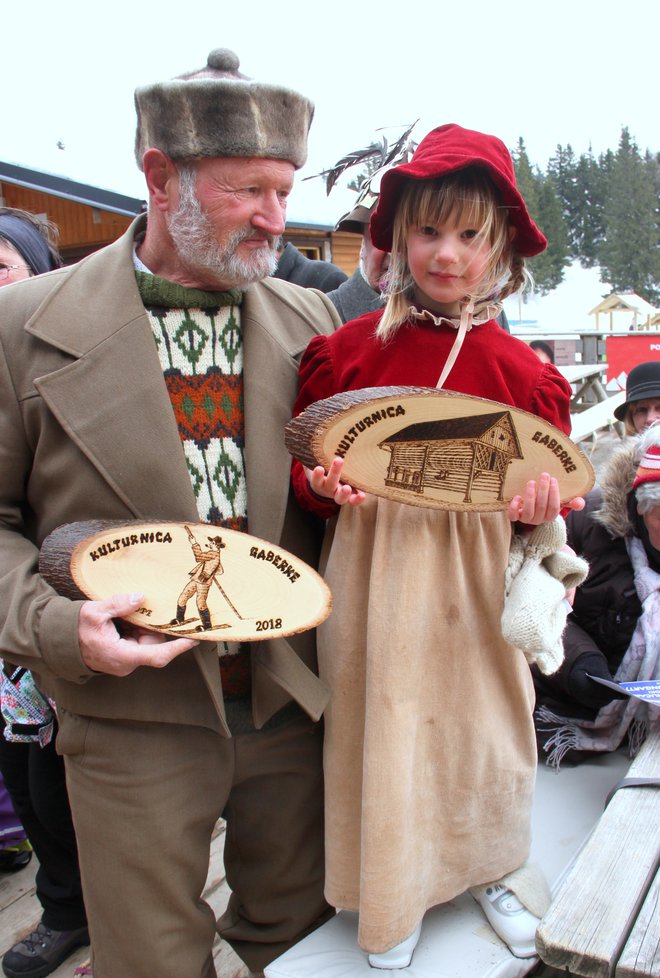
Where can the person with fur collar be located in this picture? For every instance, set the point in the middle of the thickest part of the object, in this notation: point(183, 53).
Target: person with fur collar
point(614, 629)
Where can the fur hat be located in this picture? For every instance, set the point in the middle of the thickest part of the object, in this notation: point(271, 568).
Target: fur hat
point(643, 382)
point(448, 149)
point(217, 111)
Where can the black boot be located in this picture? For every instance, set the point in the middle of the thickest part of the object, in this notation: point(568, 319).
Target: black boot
point(180, 614)
point(205, 615)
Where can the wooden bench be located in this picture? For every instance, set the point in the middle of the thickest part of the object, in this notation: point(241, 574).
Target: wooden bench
point(587, 381)
point(586, 423)
point(592, 408)
point(604, 921)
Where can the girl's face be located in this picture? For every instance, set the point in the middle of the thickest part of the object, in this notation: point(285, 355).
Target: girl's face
point(447, 262)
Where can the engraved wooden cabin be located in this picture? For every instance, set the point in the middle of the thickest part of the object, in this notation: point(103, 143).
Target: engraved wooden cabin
point(461, 453)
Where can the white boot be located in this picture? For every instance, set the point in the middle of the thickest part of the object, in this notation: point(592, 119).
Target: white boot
point(512, 922)
point(398, 956)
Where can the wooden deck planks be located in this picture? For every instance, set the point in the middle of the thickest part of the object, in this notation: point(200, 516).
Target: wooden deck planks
point(20, 912)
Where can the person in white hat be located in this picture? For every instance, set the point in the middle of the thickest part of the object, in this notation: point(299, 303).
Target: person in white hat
point(153, 380)
point(614, 629)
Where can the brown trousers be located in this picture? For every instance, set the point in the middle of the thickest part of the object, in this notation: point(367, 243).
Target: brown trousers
point(145, 799)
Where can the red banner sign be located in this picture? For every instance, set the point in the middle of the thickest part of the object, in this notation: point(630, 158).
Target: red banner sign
point(625, 352)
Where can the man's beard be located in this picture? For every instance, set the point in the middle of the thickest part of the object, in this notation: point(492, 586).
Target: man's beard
point(196, 244)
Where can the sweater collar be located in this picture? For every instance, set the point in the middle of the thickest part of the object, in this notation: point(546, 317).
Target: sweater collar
point(155, 291)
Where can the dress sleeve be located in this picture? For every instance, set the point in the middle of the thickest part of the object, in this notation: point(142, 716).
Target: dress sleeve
point(316, 380)
point(552, 398)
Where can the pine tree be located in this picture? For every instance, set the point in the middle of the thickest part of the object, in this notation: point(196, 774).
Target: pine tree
point(548, 267)
point(562, 170)
point(630, 253)
point(545, 209)
point(591, 185)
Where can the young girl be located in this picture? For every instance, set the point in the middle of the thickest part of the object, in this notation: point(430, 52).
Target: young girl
point(430, 750)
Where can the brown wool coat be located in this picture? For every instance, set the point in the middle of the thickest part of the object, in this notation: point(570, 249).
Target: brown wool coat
point(87, 432)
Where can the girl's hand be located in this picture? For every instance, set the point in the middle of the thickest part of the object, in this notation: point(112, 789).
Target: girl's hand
point(540, 502)
point(328, 484)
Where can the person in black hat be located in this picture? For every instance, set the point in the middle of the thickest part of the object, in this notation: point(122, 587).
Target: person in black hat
point(362, 291)
point(642, 404)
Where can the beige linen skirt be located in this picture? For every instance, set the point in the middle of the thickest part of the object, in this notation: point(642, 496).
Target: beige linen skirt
point(430, 754)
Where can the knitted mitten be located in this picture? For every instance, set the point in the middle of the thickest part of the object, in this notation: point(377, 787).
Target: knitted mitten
point(536, 580)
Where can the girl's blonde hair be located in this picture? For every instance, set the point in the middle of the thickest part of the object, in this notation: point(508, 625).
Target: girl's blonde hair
point(468, 197)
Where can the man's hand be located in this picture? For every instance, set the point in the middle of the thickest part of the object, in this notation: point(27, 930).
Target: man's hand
point(328, 484)
point(104, 649)
point(540, 502)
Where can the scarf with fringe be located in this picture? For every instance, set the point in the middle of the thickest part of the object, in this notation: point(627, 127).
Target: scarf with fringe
point(640, 663)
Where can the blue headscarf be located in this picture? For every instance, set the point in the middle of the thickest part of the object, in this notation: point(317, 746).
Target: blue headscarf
point(28, 242)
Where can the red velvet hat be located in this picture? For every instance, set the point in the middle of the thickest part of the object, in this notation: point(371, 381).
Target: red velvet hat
point(445, 150)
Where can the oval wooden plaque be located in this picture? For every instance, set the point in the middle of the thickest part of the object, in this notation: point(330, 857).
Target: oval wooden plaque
point(250, 588)
point(435, 448)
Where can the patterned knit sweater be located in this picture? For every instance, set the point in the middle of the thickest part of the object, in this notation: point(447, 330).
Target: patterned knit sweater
point(200, 345)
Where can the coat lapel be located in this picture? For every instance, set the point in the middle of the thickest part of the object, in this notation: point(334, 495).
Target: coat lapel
point(270, 383)
point(132, 440)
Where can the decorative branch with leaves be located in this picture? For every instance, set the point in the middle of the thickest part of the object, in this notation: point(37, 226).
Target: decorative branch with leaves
point(374, 157)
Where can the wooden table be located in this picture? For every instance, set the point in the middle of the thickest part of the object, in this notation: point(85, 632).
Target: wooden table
point(592, 408)
point(587, 379)
point(604, 921)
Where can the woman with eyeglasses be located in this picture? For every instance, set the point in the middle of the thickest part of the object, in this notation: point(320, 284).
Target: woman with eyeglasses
point(33, 772)
point(27, 245)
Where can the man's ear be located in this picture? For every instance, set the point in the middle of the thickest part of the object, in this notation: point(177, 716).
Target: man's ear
point(162, 179)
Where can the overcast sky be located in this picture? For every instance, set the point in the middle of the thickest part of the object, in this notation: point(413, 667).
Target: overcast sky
point(558, 71)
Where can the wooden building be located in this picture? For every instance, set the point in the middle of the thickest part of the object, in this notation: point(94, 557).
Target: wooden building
point(461, 453)
point(631, 312)
point(87, 217)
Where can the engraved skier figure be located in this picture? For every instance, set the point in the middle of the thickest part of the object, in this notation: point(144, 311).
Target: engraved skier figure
point(202, 576)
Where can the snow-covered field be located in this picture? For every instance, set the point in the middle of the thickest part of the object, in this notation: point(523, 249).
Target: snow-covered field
point(567, 308)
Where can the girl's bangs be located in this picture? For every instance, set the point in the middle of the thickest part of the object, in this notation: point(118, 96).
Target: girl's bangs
point(461, 198)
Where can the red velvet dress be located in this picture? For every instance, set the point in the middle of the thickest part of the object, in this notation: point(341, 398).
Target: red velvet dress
point(430, 753)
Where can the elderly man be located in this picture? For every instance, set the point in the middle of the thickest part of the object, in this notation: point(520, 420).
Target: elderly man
point(153, 381)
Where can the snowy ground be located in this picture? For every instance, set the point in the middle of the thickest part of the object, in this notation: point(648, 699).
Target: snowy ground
point(566, 309)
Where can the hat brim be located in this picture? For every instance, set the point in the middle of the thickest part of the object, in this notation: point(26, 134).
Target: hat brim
point(529, 239)
point(640, 392)
point(446, 150)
